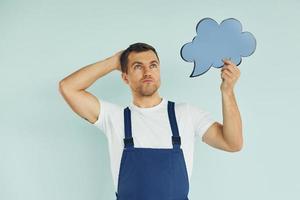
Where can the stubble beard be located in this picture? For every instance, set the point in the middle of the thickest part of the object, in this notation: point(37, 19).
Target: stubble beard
point(147, 89)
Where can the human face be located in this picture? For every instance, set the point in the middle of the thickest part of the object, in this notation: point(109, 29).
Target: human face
point(143, 75)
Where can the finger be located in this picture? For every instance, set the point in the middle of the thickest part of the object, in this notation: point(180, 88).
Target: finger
point(225, 76)
point(227, 70)
point(228, 61)
point(228, 73)
point(232, 69)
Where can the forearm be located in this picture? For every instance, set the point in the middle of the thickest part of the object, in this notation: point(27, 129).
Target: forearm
point(86, 76)
point(232, 122)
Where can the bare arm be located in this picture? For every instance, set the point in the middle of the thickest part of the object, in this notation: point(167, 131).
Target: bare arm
point(73, 87)
point(232, 128)
point(227, 136)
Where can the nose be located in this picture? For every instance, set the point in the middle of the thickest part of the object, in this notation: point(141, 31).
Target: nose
point(147, 71)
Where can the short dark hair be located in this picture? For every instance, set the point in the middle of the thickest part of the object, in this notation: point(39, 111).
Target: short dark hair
point(136, 47)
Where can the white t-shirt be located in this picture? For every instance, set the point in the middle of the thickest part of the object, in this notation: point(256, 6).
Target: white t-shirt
point(151, 129)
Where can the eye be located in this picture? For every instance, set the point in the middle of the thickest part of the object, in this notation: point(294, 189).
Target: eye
point(137, 66)
point(154, 65)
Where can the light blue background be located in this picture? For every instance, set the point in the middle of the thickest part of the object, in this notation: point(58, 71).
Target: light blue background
point(48, 152)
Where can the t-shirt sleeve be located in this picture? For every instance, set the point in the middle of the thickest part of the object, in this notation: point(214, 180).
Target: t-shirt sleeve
point(201, 120)
point(107, 116)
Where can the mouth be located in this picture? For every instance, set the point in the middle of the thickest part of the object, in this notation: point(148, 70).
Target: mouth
point(147, 80)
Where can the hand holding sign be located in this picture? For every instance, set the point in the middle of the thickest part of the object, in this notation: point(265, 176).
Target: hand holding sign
point(229, 74)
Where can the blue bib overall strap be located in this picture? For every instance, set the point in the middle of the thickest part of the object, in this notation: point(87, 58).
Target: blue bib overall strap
point(149, 173)
point(128, 140)
point(176, 141)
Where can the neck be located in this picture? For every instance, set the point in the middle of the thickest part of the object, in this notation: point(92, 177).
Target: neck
point(147, 101)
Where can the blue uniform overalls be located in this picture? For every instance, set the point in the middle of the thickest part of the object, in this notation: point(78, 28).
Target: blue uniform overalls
point(152, 173)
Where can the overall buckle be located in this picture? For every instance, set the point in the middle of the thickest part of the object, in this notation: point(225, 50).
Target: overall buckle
point(176, 140)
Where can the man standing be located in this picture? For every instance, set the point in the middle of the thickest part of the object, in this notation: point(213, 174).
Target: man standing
point(151, 141)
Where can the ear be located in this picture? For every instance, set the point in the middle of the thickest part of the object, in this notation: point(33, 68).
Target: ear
point(125, 77)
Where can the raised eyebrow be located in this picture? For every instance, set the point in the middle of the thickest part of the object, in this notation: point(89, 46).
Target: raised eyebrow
point(154, 61)
point(137, 62)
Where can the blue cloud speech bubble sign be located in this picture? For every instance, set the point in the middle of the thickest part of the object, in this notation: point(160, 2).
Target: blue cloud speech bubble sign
point(215, 42)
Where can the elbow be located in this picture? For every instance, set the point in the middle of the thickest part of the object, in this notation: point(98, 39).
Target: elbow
point(236, 144)
point(237, 147)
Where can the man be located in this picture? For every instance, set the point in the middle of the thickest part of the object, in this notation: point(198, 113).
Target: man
point(151, 142)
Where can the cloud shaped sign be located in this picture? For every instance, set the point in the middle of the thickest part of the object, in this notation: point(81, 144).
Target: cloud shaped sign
point(215, 42)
